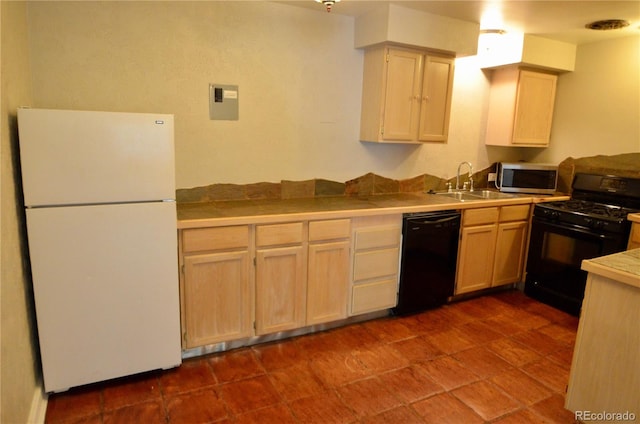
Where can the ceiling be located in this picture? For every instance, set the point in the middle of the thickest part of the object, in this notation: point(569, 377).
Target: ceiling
point(556, 19)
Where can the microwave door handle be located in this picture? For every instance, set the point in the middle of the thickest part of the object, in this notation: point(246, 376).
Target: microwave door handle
point(498, 181)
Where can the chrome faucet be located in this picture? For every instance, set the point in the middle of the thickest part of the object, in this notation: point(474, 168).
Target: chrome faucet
point(470, 177)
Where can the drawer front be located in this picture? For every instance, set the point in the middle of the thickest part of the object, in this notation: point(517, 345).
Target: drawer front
point(270, 235)
point(375, 263)
point(480, 216)
point(514, 213)
point(329, 230)
point(201, 239)
point(377, 237)
point(373, 296)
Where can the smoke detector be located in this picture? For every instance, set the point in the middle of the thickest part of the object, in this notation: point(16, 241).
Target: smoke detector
point(607, 24)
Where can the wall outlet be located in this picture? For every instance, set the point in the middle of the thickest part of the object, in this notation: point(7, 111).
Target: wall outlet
point(492, 176)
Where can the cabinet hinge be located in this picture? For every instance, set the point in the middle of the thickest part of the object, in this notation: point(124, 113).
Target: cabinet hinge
point(182, 269)
point(382, 129)
point(254, 325)
point(255, 262)
point(387, 57)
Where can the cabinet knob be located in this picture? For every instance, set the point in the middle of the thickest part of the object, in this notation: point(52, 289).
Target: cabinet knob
point(425, 98)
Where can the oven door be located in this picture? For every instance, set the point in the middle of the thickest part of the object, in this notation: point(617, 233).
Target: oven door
point(556, 252)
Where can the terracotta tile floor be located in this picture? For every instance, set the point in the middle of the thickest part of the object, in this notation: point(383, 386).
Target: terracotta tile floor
point(502, 358)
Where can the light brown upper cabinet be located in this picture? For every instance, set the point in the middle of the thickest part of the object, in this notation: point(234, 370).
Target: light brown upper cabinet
point(406, 95)
point(520, 107)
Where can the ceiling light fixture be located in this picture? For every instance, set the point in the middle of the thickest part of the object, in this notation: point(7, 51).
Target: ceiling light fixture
point(491, 41)
point(607, 24)
point(328, 3)
point(493, 31)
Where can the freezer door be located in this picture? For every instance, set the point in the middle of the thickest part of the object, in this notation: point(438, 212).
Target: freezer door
point(105, 282)
point(83, 157)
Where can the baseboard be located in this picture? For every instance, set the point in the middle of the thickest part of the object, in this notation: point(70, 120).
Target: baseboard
point(38, 410)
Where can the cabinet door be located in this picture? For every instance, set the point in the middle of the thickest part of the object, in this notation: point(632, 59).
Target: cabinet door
point(217, 298)
point(509, 259)
point(280, 289)
point(402, 106)
point(437, 86)
point(475, 260)
point(328, 282)
point(534, 108)
point(374, 295)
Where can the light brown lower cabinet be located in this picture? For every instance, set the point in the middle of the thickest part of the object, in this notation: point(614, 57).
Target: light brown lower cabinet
point(328, 270)
point(247, 280)
point(492, 247)
point(223, 280)
point(280, 277)
point(475, 257)
point(216, 287)
point(328, 282)
point(280, 289)
point(243, 281)
point(510, 250)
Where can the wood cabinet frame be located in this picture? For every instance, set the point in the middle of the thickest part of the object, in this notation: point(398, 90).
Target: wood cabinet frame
point(406, 95)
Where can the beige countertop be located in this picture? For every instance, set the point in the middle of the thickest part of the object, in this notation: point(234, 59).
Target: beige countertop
point(623, 267)
point(240, 212)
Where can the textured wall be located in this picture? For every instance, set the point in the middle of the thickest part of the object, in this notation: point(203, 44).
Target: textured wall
point(19, 356)
point(299, 77)
point(300, 89)
point(598, 105)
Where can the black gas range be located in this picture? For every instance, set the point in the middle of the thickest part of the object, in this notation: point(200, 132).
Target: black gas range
point(592, 223)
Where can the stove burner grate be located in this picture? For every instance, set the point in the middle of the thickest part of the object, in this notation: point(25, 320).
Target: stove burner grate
point(589, 208)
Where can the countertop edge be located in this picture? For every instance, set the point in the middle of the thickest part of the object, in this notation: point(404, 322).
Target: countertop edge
point(428, 206)
point(600, 266)
point(634, 217)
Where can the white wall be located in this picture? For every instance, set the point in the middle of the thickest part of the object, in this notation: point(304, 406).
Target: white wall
point(598, 105)
point(299, 81)
point(20, 363)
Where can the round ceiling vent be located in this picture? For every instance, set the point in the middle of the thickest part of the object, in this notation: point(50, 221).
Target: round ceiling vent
point(607, 24)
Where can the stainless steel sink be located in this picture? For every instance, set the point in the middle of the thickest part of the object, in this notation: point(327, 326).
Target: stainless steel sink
point(491, 194)
point(460, 195)
point(475, 195)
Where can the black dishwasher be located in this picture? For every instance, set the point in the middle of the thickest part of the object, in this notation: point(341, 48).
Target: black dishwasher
point(428, 265)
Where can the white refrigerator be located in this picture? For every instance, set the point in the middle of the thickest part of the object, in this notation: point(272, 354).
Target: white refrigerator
point(99, 193)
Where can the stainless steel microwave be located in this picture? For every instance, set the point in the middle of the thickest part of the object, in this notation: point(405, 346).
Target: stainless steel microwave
point(532, 178)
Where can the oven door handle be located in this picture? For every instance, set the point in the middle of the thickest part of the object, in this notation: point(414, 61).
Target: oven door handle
point(574, 229)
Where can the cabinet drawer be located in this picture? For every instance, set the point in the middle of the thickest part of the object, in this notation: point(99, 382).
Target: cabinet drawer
point(199, 239)
point(328, 230)
point(375, 263)
point(514, 213)
point(377, 237)
point(270, 235)
point(373, 296)
point(480, 216)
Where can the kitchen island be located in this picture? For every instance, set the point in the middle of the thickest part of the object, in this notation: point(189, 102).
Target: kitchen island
point(605, 372)
point(634, 237)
